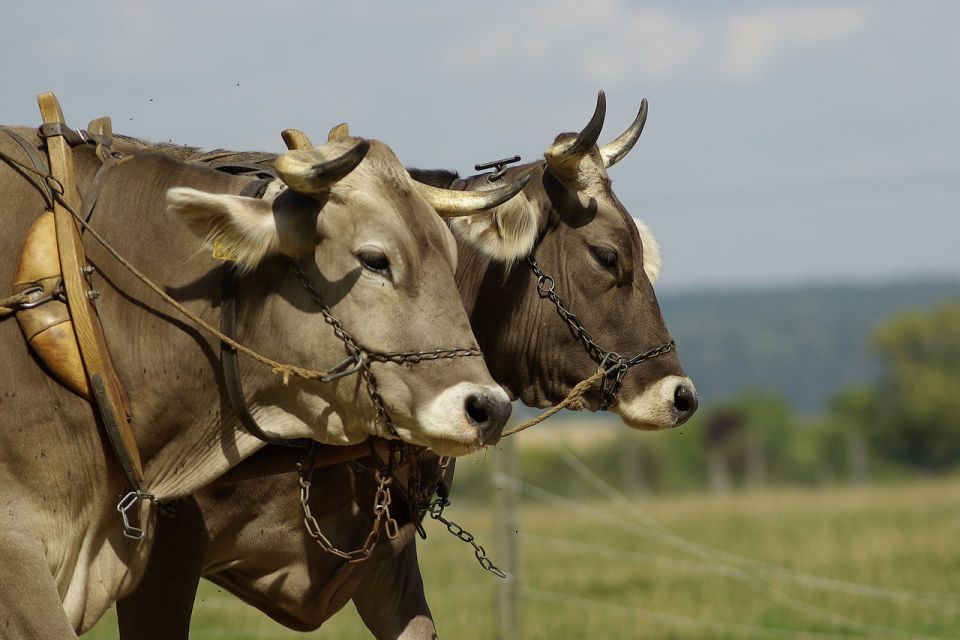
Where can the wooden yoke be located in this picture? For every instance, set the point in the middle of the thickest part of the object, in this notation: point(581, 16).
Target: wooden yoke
point(107, 391)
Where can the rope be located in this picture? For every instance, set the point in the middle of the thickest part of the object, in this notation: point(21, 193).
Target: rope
point(10, 305)
point(282, 369)
point(573, 401)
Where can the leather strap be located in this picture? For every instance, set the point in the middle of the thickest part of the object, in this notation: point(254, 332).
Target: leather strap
point(242, 168)
point(257, 188)
point(271, 460)
point(37, 160)
point(60, 129)
point(446, 480)
point(231, 371)
point(93, 190)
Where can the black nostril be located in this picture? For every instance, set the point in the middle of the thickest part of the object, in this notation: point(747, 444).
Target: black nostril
point(488, 414)
point(684, 400)
point(477, 411)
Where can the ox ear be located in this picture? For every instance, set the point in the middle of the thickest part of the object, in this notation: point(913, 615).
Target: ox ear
point(651, 251)
point(506, 233)
point(246, 229)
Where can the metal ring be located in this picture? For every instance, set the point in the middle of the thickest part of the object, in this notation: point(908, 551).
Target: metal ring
point(542, 287)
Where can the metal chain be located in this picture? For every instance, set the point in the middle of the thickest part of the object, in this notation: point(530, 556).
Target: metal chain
point(435, 510)
point(615, 364)
point(416, 494)
point(381, 515)
point(364, 357)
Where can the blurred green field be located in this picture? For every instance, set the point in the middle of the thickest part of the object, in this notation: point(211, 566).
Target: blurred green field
point(871, 562)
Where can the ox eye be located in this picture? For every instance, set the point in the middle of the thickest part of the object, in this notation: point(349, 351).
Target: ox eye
point(606, 257)
point(375, 260)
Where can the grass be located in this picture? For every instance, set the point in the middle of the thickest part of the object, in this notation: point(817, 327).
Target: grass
point(872, 562)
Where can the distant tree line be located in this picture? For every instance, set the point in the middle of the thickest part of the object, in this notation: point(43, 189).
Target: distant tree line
point(906, 421)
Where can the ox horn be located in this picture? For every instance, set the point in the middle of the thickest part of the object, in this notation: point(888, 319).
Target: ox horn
point(313, 172)
point(613, 152)
point(296, 139)
point(450, 203)
point(339, 131)
point(568, 152)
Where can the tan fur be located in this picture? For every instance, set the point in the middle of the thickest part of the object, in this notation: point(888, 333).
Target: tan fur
point(505, 233)
point(651, 251)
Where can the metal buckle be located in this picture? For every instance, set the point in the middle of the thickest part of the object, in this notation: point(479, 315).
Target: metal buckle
point(127, 503)
point(342, 368)
point(56, 294)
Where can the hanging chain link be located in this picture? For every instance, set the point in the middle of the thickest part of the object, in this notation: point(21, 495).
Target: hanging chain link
point(418, 496)
point(615, 364)
point(381, 515)
point(435, 510)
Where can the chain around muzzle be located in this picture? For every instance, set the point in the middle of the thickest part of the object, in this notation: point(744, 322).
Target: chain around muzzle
point(614, 364)
point(359, 359)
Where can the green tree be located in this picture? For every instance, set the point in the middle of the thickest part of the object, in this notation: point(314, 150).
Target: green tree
point(916, 419)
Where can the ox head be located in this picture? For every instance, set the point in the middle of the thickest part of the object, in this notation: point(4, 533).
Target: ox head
point(348, 222)
point(602, 264)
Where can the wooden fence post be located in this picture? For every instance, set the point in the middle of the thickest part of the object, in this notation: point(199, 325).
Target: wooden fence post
point(508, 543)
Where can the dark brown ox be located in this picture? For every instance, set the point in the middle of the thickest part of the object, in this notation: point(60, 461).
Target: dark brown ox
point(369, 242)
point(248, 536)
point(603, 264)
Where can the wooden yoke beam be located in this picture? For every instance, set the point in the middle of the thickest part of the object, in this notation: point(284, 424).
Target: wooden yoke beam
point(108, 393)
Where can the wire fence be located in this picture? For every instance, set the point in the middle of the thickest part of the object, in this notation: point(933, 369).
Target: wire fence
point(582, 595)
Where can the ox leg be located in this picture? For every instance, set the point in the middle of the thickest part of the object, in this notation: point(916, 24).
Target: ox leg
point(391, 600)
point(161, 605)
point(30, 605)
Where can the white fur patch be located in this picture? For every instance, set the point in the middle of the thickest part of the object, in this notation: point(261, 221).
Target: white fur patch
point(505, 233)
point(445, 426)
point(244, 227)
point(651, 251)
point(654, 408)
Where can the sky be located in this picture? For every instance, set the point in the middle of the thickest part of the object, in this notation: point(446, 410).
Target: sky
point(787, 142)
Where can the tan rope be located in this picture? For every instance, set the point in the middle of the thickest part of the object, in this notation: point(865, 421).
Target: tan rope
point(9, 306)
point(573, 401)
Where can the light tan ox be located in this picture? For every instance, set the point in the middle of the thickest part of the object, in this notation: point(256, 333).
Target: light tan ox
point(367, 239)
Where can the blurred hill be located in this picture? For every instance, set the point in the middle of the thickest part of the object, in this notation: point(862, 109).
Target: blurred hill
point(802, 342)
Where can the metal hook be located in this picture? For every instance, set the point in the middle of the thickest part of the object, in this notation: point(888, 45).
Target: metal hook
point(500, 167)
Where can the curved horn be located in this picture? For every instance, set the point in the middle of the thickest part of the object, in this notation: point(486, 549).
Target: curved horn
point(450, 203)
point(613, 152)
point(311, 171)
point(585, 140)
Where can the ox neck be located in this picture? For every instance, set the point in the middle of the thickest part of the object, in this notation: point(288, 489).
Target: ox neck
point(504, 312)
point(504, 317)
point(169, 369)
